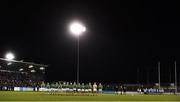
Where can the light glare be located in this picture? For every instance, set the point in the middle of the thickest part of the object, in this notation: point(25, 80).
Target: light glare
point(30, 66)
point(21, 69)
point(77, 29)
point(41, 68)
point(9, 63)
point(10, 56)
point(33, 71)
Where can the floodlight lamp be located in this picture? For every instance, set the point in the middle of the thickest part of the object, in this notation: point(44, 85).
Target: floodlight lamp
point(9, 63)
point(30, 66)
point(41, 68)
point(10, 56)
point(21, 69)
point(33, 71)
point(77, 28)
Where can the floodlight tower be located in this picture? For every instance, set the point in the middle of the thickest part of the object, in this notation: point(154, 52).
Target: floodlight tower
point(77, 29)
point(175, 82)
point(159, 74)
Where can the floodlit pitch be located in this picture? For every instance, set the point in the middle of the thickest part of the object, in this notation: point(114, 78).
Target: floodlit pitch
point(43, 96)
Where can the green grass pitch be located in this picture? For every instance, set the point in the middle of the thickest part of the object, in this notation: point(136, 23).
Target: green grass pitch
point(43, 96)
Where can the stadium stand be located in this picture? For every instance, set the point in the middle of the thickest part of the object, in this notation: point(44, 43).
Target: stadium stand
point(14, 75)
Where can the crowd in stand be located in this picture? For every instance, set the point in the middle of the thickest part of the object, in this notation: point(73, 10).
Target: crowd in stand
point(9, 80)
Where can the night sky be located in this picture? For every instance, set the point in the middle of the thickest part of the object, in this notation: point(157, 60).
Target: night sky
point(123, 43)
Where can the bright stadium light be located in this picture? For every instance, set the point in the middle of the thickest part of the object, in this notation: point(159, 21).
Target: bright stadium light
point(30, 66)
point(10, 56)
point(21, 69)
point(33, 71)
point(9, 63)
point(77, 28)
point(41, 68)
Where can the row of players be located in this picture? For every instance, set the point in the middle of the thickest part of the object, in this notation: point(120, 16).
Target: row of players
point(66, 86)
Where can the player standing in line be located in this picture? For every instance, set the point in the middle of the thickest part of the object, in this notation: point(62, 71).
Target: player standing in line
point(94, 88)
point(100, 88)
point(121, 89)
point(60, 87)
point(90, 88)
point(48, 85)
point(56, 85)
point(67, 86)
point(43, 85)
point(78, 87)
point(82, 87)
point(124, 90)
point(86, 87)
point(74, 87)
point(116, 89)
point(64, 86)
point(71, 87)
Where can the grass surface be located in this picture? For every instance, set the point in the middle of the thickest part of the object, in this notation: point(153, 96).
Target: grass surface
point(43, 96)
